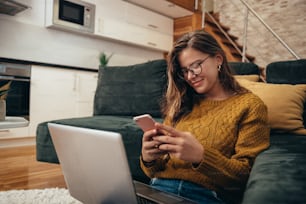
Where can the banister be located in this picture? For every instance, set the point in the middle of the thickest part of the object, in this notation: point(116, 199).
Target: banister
point(270, 29)
point(225, 34)
point(248, 8)
point(245, 34)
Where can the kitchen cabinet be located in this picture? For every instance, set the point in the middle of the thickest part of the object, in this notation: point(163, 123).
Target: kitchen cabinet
point(150, 20)
point(140, 36)
point(114, 9)
point(86, 84)
point(135, 25)
point(18, 136)
point(14, 132)
point(58, 93)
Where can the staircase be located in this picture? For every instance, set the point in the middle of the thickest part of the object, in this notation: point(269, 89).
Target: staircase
point(191, 23)
point(232, 53)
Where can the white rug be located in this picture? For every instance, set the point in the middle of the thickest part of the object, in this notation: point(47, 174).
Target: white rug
point(37, 196)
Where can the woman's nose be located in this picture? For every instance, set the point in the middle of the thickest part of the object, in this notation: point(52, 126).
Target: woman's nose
point(190, 74)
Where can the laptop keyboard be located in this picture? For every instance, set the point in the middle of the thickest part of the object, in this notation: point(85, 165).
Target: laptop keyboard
point(147, 194)
point(142, 200)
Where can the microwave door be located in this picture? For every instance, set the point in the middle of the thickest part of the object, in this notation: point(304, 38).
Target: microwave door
point(71, 12)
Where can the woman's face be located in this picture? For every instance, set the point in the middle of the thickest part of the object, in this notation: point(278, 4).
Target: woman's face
point(204, 79)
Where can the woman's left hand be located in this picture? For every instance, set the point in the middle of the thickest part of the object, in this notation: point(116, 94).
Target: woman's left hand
point(182, 145)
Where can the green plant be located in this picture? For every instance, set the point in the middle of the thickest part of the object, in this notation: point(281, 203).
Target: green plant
point(4, 89)
point(104, 59)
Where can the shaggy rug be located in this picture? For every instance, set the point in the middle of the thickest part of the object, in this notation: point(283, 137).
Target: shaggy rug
point(37, 196)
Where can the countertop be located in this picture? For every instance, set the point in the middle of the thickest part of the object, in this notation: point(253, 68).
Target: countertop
point(13, 122)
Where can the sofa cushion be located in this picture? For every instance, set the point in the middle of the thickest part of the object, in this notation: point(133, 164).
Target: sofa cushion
point(131, 135)
point(287, 72)
point(284, 102)
point(278, 175)
point(244, 68)
point(131, 90)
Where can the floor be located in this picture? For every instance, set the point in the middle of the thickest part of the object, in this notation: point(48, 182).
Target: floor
point(20, 170)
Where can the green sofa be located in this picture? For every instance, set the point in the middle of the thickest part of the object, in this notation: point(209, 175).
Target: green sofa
point(122, 92)
point(278, 174)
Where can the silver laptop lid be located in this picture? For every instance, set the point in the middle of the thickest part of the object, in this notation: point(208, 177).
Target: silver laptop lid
point(88, 167)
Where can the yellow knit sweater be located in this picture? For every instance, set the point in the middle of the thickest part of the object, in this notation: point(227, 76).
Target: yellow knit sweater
point(232, 132)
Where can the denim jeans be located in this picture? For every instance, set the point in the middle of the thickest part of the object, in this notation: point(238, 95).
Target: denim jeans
point(192, 191)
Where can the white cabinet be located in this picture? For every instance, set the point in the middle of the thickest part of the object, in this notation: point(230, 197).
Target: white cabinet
point(14, 132)
point(131, 33)
point(108, 13)
point(114, 9)
point(148, 19)
point(12, 137)
point(134, 24)
point(58, 93)
point(86, 84)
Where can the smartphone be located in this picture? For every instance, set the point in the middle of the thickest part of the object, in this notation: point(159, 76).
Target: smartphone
point(145, 122)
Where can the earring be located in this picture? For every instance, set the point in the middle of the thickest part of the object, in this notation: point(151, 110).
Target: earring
point(219, 67)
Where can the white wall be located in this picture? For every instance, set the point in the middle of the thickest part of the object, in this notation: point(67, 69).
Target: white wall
point(25, 37)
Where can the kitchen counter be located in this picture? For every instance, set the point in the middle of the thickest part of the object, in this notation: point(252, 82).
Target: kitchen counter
point(17, 61)
point(13, 122)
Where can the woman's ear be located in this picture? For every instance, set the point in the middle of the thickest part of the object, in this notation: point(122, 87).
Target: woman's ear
point(219, 59)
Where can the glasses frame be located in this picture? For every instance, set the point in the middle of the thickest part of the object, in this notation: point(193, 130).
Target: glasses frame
point(194, 66)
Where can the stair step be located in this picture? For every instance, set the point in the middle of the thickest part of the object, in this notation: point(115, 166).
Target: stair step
point(249, 57)
point(209, 21)
point(216, 30)
point(228, 43)
point(189, 23)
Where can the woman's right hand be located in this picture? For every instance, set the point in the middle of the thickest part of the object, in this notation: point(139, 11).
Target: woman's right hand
point(150, 149)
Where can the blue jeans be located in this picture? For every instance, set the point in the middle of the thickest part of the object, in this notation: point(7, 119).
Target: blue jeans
point(192, 191)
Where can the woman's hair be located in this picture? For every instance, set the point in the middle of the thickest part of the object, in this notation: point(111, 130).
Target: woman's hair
point(180, 97)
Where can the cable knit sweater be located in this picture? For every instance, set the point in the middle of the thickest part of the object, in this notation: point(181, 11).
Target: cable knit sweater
point(232, 132)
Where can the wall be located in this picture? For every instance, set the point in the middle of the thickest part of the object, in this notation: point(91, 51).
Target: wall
point(25, 37)
point(286, 18)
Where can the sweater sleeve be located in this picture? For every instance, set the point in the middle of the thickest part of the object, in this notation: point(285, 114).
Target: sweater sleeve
point(158, 165)
point(252, 138)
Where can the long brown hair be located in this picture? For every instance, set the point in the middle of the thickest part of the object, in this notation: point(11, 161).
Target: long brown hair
point(180, 97)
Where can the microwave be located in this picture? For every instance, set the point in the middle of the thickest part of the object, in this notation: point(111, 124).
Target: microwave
point(74, 15)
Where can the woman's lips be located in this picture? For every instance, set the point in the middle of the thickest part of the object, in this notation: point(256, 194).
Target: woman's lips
point(197, 83)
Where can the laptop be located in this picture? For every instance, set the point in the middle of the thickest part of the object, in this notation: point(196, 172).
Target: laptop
point(96, 170)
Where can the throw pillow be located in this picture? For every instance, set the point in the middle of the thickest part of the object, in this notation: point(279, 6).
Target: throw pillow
point(285, 104)
point(250, 77)
point(131, 90)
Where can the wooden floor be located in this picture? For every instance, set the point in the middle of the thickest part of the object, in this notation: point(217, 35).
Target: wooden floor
point(20, 170)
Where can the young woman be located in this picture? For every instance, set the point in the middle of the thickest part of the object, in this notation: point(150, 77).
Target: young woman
point(213, 127)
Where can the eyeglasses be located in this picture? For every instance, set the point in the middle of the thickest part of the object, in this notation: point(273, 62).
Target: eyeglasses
point(195, 69)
